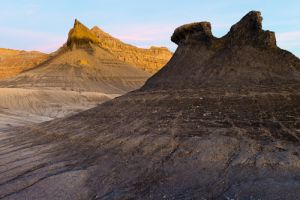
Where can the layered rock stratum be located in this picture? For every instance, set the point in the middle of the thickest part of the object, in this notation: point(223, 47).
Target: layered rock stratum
point(13, 62)
point(219, 121)
point(151, 60)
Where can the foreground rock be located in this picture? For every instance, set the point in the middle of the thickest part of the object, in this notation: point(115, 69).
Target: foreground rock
point(220, 121)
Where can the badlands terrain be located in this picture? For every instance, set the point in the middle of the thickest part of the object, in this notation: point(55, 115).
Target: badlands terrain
point(84, 72)
point(219, 121)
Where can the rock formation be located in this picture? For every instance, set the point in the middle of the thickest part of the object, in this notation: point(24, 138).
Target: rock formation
point(81, 65)
point(150, 60)
point(220, 121)
point(80, 35)
point(78, 76)
point(246, 58)
point(13, 62)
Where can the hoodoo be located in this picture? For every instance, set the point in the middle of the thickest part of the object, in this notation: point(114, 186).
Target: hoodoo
point(219, 121)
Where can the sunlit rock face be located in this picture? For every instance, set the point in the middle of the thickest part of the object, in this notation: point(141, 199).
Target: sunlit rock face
point(150, 60)
point(219, 121)
point(81, 65)
point(13, 62)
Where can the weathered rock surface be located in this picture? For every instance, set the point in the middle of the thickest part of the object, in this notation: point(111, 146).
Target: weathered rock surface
point(220, 121)
point(13, 62)
point(151, 60)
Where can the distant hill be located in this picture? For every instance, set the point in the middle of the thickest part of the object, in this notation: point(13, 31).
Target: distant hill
point(81, 65)
point(13, 62)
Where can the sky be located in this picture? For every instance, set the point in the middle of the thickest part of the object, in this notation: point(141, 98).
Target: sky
point(43, 25)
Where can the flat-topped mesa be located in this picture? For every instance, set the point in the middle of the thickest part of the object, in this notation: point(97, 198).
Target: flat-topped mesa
point(248, 31)
point(193, 33)
point(80, 35)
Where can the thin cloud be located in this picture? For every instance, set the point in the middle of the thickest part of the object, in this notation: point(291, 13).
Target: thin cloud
point(153, 32)
point(289, 39)
point(34, 40)
point(142, 35)
point(31, 10)
point(289, 36)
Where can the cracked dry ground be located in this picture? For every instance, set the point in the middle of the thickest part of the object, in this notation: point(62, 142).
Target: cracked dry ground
point(184, 145)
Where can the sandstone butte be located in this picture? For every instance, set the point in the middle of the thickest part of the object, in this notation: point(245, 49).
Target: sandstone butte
point(13, 62)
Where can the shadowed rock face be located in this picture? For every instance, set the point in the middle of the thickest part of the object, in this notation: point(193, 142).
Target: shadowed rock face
point(246, 58)
point(248, 31)
point(196, 31)
point(220, 121)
